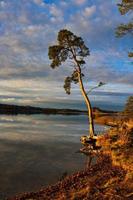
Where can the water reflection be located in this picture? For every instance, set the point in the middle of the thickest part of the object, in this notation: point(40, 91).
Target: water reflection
point(36, 150)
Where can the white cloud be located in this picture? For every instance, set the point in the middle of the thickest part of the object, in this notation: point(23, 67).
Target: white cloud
point(104, 9)
point(57, 14)
point(55, 11)
point(33, 29)
point(39, 2)
point(53, 19)
point(23, 19)
point(79, 2)
point(89, 11)
point(64, 3)
point(2, 4)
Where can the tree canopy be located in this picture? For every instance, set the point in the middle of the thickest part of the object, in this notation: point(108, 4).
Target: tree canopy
point(125, 7)
point(69, 47)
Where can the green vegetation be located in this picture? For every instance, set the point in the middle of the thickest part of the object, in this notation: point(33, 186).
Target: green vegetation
point(124, 7)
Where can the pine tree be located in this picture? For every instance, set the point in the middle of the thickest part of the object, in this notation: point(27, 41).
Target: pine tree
point(72, 48)
point(129, 107)
point(125, 7)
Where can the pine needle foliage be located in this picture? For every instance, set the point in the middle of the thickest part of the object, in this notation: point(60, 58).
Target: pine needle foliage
point(126, 6)
point(69, 47)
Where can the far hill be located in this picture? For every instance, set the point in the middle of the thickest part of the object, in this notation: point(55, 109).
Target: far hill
point(16, 109)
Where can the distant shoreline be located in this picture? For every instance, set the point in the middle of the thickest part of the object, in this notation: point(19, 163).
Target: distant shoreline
point(28, 110)
point(102, 117)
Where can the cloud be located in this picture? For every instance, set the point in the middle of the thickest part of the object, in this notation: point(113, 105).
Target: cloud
point(79, 2)
point(34, 25)
point(57, 15)
point(89, 11)
point(2, 4)
point(55, 11)
point(64, 3)
point(39, 2)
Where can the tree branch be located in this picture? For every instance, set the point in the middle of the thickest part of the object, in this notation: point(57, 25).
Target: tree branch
point(99, 85)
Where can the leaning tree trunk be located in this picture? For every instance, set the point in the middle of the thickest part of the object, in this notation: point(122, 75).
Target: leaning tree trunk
point(88, 104)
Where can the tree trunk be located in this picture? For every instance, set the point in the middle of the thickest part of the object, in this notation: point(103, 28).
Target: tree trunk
point(88, 104)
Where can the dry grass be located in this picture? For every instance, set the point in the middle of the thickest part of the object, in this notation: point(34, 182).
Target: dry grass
point(101, 181)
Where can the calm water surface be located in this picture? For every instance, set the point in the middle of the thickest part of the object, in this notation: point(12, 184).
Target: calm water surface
point(36, 150)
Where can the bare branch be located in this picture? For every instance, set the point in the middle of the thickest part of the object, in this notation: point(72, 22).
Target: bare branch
point(99, 85)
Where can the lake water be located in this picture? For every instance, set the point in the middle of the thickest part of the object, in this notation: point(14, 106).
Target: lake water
point(35, 150)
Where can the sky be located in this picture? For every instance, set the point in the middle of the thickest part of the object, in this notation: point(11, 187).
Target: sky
point(29, 27)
